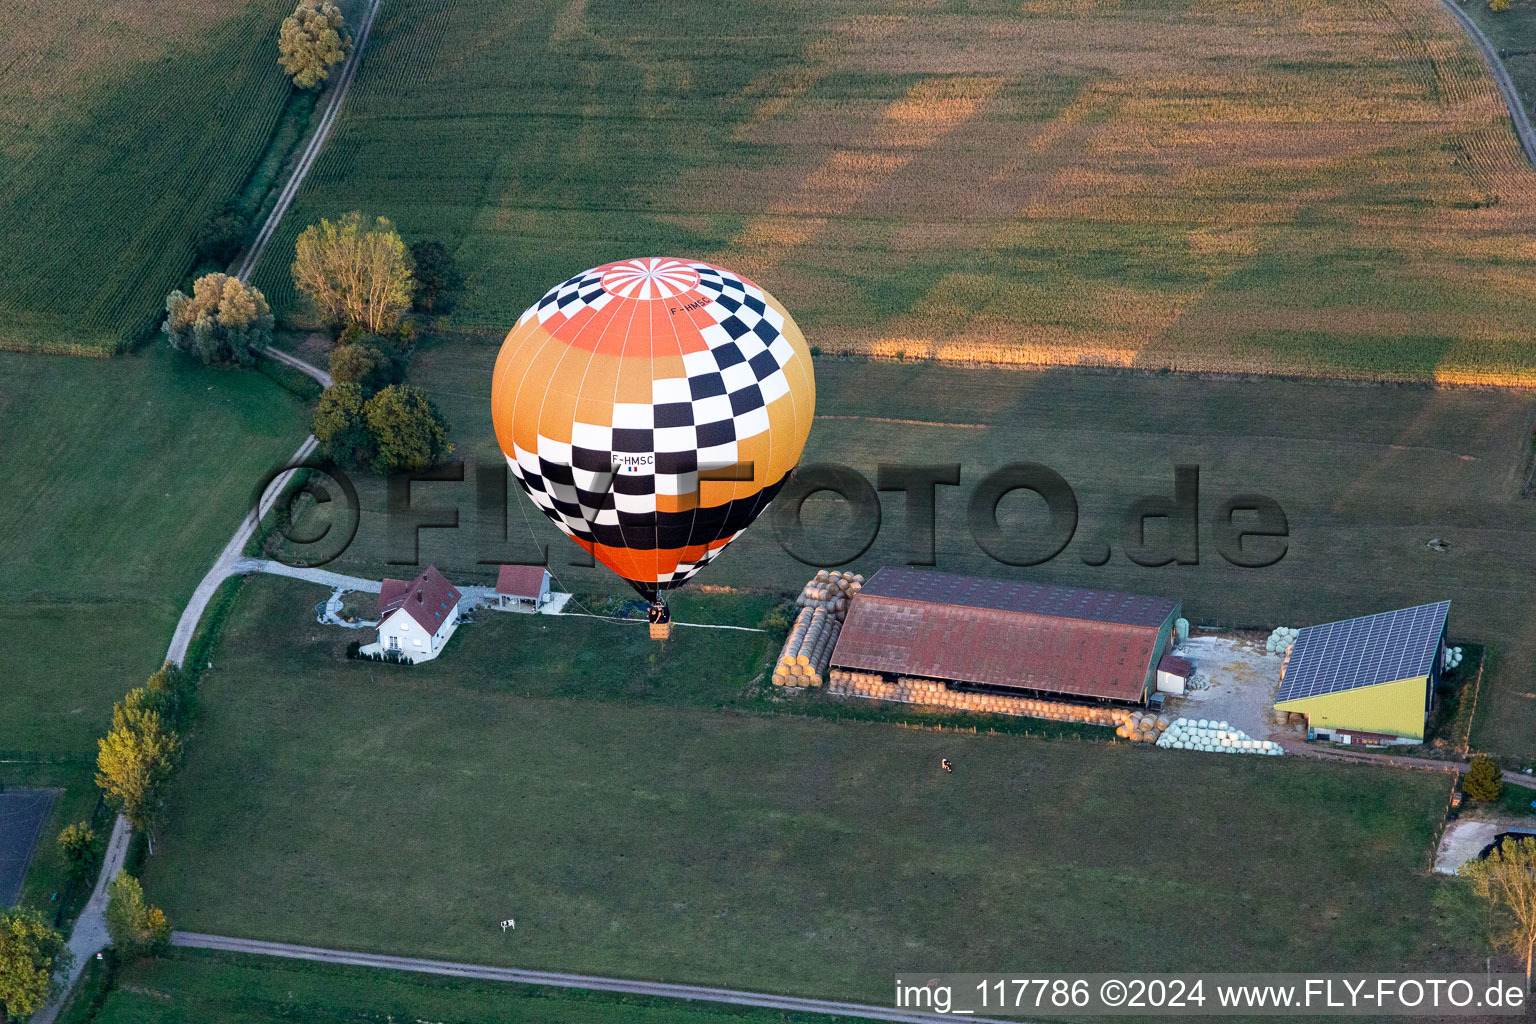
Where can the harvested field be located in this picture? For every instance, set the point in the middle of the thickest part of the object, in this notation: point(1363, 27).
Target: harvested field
point(122, 127)
point(1300, 188)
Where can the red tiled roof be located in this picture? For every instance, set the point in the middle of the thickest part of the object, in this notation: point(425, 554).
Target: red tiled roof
point(520, 580)
point(1086, 643)
point(1175, 665)
point(428, 599)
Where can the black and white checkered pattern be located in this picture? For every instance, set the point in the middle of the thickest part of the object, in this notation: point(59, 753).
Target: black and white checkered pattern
point(603, 485)
point(570, 297)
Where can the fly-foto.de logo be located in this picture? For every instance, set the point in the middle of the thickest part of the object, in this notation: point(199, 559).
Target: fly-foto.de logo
point(1247, 530)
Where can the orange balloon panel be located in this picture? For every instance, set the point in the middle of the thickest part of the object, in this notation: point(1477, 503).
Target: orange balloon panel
point(651, 408)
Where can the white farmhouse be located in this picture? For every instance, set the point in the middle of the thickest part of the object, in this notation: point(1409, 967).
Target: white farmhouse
point(416, 617)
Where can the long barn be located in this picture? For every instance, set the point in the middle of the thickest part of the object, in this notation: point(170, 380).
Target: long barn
point(991, 634)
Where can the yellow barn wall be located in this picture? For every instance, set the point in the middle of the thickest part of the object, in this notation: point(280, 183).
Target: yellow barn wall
point(1396, 708)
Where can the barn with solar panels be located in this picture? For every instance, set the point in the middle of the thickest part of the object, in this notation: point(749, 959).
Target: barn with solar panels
point(1367, 680)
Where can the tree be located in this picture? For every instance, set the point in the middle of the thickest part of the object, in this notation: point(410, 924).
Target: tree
point(135, 926)
point(1498, 6)
point(1506, 881)
point(222, 236)
point(366, 365)
point(437, 274)
point(341, 427)
point(80, 846)
point(32, 957)
point(312, 40)
point(223, 321)
point(171, 693)
point(1483, 780)
point(136, 760)
point(354, 273)
point(408, 429)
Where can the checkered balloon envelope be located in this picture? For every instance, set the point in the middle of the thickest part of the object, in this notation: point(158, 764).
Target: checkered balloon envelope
point(651, 408)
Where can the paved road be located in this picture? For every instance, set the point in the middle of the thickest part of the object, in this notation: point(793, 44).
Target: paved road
point(229, 558)
point(1322, 753)
point(299, 364)
point(324, 577)
point(90, 933)
point(1517, 112)
point(337, 93)
point(581, 981)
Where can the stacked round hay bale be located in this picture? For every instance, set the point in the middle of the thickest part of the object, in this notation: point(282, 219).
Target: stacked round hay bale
point(1215, 737)
point(1281, 639)
point(830, 591)
point(1142, 727)
point(807, 652)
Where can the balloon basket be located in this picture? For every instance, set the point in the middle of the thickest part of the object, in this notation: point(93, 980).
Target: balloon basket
point(661, 630)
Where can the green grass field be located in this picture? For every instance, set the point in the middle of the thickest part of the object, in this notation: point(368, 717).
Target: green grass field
point(122, 127)
point(397, 811)
point(122, 481)
point(209, 988)
point(1365, 475)
point(1308, 187)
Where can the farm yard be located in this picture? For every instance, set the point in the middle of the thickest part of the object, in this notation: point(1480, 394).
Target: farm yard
point(1301, 188)
point(769, 852)
point(122, 128)
point(1365, 475)
point(122, 480)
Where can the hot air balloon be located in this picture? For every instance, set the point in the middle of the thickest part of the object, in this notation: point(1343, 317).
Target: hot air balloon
point(652, 408)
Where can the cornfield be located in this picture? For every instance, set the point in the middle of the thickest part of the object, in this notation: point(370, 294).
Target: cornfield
point(122, 127)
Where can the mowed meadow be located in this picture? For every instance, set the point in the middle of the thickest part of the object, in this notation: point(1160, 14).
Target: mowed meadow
point(1301, 187)
point(122, 127)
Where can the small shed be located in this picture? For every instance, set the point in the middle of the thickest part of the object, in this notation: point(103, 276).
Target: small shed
point(1173, 672)
point(522, 588)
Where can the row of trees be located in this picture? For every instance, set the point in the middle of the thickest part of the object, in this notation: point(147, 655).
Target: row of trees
point(35, 958)
point(134, 765)
point(142, 750)
point(353, 273)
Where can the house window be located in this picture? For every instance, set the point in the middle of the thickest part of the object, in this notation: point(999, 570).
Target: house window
point(416, 640)
point(394, 643)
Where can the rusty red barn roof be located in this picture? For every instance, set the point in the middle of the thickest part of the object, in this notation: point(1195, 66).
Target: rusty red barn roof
point(520, 580)
point(1088, 643)
point(428, 599)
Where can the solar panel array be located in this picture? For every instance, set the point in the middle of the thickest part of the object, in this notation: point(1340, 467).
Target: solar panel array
point(1366, 651)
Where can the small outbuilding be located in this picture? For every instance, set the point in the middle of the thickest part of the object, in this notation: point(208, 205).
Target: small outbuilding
point(1367, 680)
point(1173, 674)
point(522, 588)
point(416, 617)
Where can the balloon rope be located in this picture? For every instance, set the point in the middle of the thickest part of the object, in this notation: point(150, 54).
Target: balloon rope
point(612, 619)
